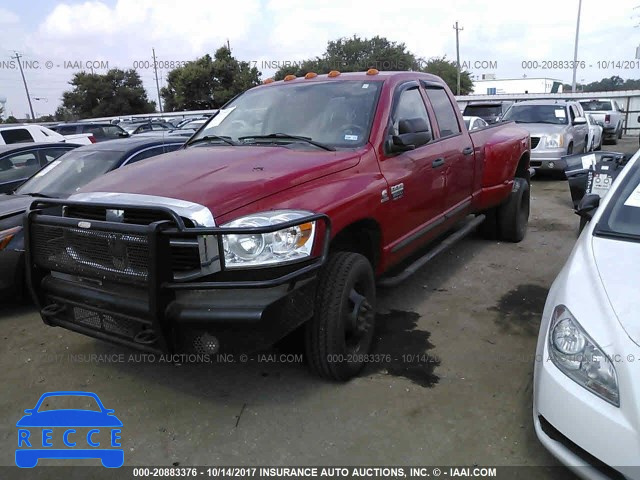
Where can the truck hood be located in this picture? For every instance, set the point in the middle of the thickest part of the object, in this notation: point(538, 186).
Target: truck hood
point(617, 262)
point(543, 129)
point(224, 178)
point(13, 205)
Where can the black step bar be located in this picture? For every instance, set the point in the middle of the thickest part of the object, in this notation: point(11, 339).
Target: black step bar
point(387, 282)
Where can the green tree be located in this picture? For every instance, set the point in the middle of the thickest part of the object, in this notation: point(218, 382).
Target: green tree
point(45, 118)
point(62, 114)
point(208, 83)
point(353, 55)
point(447, 70)
point(11, 119)
point(117, 92)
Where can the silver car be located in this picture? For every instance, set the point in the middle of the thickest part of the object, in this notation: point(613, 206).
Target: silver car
point(557, 128)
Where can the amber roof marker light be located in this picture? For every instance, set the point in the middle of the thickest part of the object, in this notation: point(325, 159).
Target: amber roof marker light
point(311, 75)
point(333, 73)
point(268, 80)
point(289, 77)
point(372, 71)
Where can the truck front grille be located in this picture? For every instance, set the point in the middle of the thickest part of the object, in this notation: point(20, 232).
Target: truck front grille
point(105, 255)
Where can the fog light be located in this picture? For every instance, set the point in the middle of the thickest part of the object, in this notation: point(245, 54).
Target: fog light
point(206, 344)
point(551, 164)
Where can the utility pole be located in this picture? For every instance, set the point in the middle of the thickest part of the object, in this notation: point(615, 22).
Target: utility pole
point(228, 45)
point(575, 49)
point(458, 29)
point(155, 69)
point(26, 89)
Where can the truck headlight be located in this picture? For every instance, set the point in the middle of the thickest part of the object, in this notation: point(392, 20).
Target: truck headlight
point(268, 249)
point(554, 141)
point(580, 358)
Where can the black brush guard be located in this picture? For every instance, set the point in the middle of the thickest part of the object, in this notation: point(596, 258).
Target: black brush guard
point(143, 321)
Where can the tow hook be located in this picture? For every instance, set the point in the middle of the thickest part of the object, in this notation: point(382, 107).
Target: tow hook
point(52, 310)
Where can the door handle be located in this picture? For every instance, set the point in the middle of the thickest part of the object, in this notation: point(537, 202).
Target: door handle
point(438, 162)
point(467, 151)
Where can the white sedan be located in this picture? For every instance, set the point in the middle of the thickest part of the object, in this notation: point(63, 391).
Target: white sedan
point(473, 123)
point(23, 133)
point(586, 394)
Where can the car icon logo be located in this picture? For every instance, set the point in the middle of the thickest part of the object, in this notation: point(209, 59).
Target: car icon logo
point(80, 433)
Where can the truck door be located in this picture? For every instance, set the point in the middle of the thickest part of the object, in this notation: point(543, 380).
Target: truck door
point(454, 147)
point(415, 177)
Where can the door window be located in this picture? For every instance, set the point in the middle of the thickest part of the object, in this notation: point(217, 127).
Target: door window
point(445, 113)
point(16, 135)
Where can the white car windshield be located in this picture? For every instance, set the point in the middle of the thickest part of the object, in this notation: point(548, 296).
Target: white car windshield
point(622, 217)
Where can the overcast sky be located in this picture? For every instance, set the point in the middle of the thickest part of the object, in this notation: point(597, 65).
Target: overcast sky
point(122, 32)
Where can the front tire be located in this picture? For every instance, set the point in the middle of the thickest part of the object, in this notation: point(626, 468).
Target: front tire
point(340, 333)
point(513, 215)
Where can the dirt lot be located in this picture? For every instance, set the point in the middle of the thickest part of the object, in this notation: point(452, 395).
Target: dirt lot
point(462, 333)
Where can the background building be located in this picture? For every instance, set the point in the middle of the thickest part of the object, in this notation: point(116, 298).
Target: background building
point(488, 85)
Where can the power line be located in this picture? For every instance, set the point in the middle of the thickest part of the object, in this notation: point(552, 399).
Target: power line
point(458, 29)
point(26, 89)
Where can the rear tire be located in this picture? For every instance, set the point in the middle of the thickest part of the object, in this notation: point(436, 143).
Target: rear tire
point(513, 215)
point(343, 323)
point(489, 228)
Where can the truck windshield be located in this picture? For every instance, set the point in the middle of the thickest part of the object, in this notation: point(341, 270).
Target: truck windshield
point(596, 106)
point(555, 114)
point(334, 113)
point(70, 172)
point(622, 217)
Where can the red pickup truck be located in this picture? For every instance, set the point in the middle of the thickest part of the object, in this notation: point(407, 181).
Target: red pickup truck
point(284, 209)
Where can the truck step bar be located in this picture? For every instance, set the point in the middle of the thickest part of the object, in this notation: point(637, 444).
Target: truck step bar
point(387, 282)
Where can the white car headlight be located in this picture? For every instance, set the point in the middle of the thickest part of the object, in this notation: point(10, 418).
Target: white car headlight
point(268, 249)
point(554, 141)
point(580, 358)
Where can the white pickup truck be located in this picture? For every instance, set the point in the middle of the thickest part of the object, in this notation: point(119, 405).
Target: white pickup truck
point(609, 112)
point(20, 133)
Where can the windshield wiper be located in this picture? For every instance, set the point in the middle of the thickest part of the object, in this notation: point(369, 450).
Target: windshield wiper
point(612, 234)
point(33, 194)
point(208, 138)
point(286, 136)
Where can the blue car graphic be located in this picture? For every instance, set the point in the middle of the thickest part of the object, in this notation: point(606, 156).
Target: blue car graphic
point(31, 448)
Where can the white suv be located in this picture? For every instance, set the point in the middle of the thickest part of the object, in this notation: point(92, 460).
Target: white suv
point(609, 112)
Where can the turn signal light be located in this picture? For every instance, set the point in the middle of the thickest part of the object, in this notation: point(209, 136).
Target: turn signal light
point(333, 73)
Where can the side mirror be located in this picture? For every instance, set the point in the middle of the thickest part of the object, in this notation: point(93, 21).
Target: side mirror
point(588, 205)
point(123, 134)
point(579, 121)
point(412, 133)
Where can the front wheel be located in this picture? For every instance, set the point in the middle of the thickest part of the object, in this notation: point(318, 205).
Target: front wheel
point(513, 215)
point(340, 334)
